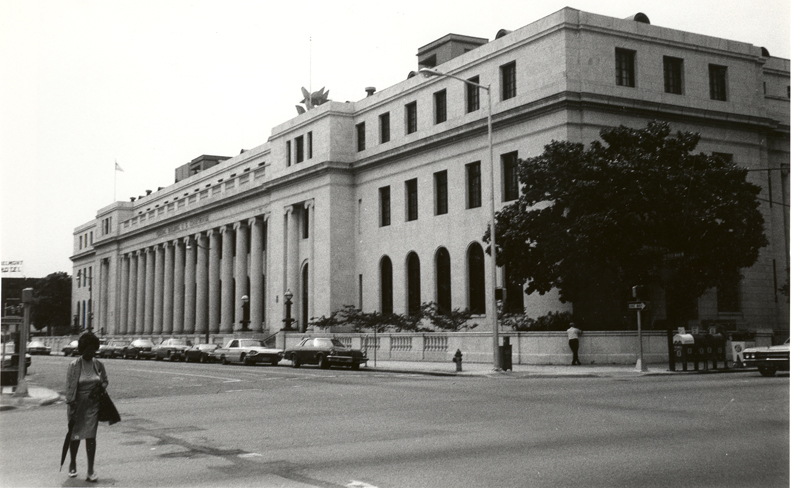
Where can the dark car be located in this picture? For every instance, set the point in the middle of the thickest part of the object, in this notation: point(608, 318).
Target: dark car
point(171, 349)
point(70, 349)
point(113, 349)
point(138, 349)
point(8, 361)
point(38, 347)
point(325, 352)
point(201, 353)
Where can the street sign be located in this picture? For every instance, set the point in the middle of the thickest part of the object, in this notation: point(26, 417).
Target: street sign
point(636, 305)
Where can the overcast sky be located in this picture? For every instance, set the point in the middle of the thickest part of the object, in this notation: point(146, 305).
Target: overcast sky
point(154, 84)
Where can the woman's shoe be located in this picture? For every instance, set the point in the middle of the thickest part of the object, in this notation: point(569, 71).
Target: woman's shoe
point(92, 478)
point(72, 473)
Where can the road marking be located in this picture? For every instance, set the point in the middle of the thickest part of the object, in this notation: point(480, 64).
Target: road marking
point(225, 380)
point(359, 484)
point(250, 454)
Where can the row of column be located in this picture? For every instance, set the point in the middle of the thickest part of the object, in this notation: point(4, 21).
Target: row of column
point(195, 284)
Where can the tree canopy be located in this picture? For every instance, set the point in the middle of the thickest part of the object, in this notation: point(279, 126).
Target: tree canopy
point(640, 209)
point(52, 301)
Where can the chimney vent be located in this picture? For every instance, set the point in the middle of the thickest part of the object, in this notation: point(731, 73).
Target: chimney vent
point(370, 90)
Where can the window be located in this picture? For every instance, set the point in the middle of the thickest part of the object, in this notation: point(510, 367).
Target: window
point(384, 126)
point(476, 290)
point(443, 270)
point(411, 117)
point(508, 74)
point(511, 189)
point(672, 73)
point(299, 149)
point(361, 136)
point(385, 206)
point(81, 245)
point(441, 192)
point(386, 285)
point(310, 145)
point(306, 221)
point(413, 284)
point(288, 153)
point(411, 193)
point(79, 278)
point(717, 78)
point(472, 95)
point(440, 106)
point(625, 67)
point(473, 172)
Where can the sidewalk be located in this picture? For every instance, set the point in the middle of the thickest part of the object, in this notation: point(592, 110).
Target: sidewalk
point(37, 396)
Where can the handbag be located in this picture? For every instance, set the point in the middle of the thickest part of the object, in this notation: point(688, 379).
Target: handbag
point(107, 409)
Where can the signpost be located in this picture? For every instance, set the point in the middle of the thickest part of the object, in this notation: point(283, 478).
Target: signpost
point(638, 307)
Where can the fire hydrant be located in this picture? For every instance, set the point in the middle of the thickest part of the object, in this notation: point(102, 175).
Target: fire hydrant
point(458, 360)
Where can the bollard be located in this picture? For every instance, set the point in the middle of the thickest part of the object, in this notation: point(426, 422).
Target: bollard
point(458, 360)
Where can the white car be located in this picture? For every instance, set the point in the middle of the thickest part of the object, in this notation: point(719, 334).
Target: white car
point(769, 360)
point(247, 351)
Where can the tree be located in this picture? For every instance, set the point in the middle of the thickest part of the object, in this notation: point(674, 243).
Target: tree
point(52, 301)
point(639, 209)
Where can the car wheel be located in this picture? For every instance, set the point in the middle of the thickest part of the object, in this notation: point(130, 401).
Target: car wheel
point(767, 370)
point(243, 360)
point(295, 361)
point(323, 362)
point(356, 366)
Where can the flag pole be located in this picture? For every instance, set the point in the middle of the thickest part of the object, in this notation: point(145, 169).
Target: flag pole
point(115, 177)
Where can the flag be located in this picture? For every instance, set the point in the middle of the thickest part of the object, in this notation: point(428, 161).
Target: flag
point(119, 168)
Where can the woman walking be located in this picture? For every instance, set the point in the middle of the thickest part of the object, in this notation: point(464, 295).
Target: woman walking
point(85, 378)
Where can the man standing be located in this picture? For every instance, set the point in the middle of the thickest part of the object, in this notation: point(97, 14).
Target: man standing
point(573, 333)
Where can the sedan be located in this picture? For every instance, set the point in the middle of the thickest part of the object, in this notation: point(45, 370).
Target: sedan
point(171, 349)
point(325, 352)
point(247, 351)
point(38, 347)
point(70, 349)
point(202, 353)
point(138, 349)
point(113, 349)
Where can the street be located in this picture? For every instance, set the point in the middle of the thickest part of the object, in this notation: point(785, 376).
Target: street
point(214, 425)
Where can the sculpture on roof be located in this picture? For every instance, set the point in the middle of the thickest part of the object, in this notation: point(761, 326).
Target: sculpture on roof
point(311, 100)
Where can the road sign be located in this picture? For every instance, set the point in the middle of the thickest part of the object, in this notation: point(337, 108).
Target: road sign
point(636, 305)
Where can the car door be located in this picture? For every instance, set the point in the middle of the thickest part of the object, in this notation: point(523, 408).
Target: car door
point(233, 350)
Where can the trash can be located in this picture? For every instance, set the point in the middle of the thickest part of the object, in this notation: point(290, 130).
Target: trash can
point(506, 354)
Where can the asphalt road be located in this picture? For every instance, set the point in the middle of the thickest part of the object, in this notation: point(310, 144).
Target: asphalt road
point(214, 425)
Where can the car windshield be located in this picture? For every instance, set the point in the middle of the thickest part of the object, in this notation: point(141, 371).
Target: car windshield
point(120, 343)
point(178, 342)
point(251, 343)
point(142, 342)
point(337, 343)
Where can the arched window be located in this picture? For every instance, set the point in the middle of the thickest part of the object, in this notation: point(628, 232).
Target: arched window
point(386, 285)
point(443, 270)
point(476, 287)
point(413, 284)
point(305, 317)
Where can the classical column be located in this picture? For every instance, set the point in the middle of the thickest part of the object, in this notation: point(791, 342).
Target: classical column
point(148, 322)
point(140, 299)
point(214, 281)
point(132, 296)
point(240, 272)
point(178, 287)
point(123, 302)
point(191, 285)
point(287, 213)
point(310, 214)
point(159, 282)
point(294, 269)
point(203, 284)
point(256, 273)
point(227, 290)
point(104, 293)
point(167, 290)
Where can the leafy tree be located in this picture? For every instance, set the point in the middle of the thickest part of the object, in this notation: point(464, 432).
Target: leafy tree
point(52, 301)
point(639, 209)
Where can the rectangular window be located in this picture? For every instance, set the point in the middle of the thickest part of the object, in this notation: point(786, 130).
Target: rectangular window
point(385, 206)
point(508, 74)
point(717, 79)
point(441, 192)
point(288, 153)
point(81, 246)
point(473, 172)
point(310, 145)
point(79, 278)
point(625, 67)
point(306, 221)
point(361, 136)
point(672, 73)
point(411, 117)
point(511, 189)
point(472, 95)
point(411, 194)
point(440, 106)
point(299, 149)
point(384, 126)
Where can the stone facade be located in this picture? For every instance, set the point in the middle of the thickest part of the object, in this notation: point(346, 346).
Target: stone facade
point(380, 203)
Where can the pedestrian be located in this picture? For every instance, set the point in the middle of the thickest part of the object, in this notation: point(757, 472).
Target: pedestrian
point(573, 333)
point(85, 379)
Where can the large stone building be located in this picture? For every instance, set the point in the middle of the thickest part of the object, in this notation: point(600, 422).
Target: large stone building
point(381, 203)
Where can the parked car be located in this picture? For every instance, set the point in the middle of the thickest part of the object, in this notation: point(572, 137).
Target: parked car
point(171, 349)
point(70, 349)
point(247, 351)
point(113, 349)
point(325, 352)
point(202, 353)
point(769, 360)
point(138, 349)
point(38, 347)
point(9, 352)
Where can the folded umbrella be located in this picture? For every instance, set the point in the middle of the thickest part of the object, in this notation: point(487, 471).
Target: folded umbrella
point(66, 443)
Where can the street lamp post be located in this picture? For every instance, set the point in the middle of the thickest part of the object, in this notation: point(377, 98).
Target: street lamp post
point(288, 320)
point(492, 308)
point(245, 312)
